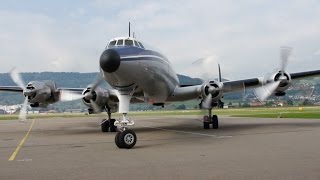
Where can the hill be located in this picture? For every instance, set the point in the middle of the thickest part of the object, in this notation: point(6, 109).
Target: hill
point(300, 89)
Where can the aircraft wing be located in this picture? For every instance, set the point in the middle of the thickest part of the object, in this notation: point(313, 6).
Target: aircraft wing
point(76, 90)
point(238, 85)
point(11, 88)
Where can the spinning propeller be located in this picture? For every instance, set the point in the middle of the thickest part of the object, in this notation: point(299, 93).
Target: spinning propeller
point(30, 91)
point(269, 87)
point(15, 75)
point(88, 95)
point(212, 88)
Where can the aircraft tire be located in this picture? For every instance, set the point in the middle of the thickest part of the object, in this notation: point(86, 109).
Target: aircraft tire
point(215, 122)
point(116, 140)
point(113, 128)
point(127, 139)
point(206, 123)
point(105, 125)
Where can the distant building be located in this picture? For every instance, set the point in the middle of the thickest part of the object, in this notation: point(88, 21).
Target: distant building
point(256, 104)
point(73, 111)
point(2, 111)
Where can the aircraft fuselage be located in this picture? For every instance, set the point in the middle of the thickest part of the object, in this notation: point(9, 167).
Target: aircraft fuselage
point(145, 71)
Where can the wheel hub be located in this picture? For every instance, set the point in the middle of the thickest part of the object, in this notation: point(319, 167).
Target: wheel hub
point(129, 139)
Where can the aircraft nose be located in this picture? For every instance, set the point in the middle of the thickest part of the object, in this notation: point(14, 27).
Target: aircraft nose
point(109, 61)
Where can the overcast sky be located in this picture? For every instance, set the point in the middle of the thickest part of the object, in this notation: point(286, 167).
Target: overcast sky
point(243, 36)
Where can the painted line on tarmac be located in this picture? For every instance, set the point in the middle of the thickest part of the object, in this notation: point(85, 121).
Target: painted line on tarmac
point(16, 151)
point(188, 132)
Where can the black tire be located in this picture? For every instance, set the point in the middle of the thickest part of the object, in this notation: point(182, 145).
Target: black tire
point(116, 140)
point(206, 122)
point(127, 139)
point(215, 122)
point(113, 128)
point(105, 125)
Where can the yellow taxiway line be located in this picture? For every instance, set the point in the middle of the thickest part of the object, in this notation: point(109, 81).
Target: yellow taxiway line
point(15, 152)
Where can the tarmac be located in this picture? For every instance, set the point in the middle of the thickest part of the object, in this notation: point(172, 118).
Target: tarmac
point(168, 147)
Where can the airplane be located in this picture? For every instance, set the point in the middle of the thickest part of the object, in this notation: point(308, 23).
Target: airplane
point(139, 74)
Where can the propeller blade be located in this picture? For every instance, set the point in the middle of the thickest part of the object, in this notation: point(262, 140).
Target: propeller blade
point(206, 103)
point(69, 96)
point(23, 111)
point(265, 91)
point(203, 67)
point(95, 106)
point(96, 83)
point(15, 76)
point(285, 52)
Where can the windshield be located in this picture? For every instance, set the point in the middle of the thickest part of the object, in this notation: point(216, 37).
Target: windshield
point(128, 42)
point(112, 44)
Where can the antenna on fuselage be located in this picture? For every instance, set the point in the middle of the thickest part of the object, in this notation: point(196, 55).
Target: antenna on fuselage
point(133, 35)
point(220, 79)
point(129, 30)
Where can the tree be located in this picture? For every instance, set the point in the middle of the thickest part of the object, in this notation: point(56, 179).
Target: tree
point(181, 107)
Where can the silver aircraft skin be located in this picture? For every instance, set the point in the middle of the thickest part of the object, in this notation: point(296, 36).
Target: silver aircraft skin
point(138, 74)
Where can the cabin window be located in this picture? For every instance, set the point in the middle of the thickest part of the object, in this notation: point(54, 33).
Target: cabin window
point(112, 44)
point(120, 42)
point(128, 42)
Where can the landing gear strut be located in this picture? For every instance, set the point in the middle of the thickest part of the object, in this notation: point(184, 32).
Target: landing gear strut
point(210, 119)
point(108, 124)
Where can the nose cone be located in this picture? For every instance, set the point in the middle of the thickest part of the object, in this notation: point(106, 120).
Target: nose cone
point(109, 61)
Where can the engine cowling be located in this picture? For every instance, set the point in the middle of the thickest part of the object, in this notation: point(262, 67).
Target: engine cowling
point(40, 92)
point(214, 89)
point(99, 96)
point(285, 81)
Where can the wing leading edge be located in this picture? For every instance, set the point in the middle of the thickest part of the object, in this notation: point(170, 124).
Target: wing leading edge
point(11, 88)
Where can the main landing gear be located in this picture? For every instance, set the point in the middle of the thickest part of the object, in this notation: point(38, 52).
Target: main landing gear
point(210, 119)
point(108, 124)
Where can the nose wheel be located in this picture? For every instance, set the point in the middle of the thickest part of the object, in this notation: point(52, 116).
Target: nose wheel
point(126, 139)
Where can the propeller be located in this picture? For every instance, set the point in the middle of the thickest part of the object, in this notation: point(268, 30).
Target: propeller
point(207, 102)
point(66, 95)
point(268, 88)
point(204, 65)
point(16, 77)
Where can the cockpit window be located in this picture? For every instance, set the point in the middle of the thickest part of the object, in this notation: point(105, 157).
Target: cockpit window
point(140, 44)
point(120, 42)
point(112, 44)
point(128, 42)
point(135, 43)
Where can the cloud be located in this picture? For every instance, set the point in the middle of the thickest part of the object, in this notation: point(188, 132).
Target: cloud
point(317, 52)
point(245, 36)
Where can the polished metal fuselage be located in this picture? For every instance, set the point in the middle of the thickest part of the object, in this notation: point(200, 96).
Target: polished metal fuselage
point(146, 73)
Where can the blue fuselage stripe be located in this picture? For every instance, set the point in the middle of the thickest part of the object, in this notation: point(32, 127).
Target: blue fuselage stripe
point(139, 54)
point(143, 59)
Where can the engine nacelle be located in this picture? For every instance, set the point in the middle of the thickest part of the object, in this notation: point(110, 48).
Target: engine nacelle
point(285, 81)
point(40, 92)
point(214, 88)
point(99, 96)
